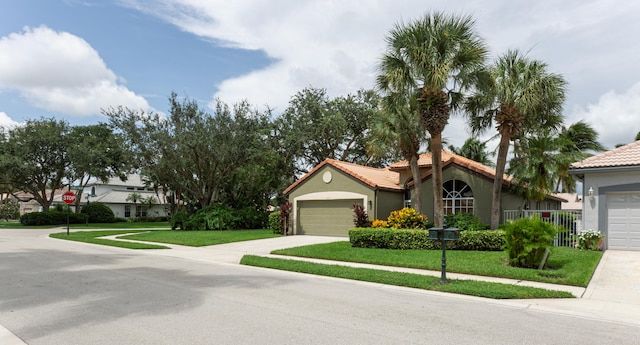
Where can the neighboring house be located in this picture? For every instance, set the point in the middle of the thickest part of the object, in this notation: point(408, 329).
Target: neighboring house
point(611, 189)
point(573, 203)
point(323, 199)
point(114, 193)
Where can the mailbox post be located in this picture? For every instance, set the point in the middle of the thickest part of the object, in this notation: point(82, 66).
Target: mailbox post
point(444, 236)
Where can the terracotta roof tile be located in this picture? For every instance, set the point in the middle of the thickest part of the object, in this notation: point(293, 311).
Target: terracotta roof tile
point(627, 155)
point(373, 177)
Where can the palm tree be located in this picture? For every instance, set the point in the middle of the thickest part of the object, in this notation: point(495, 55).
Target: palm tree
point(580, 140)
point(521, 95)
point(474, 149)
point(431, 62)
point(397, 127)
point(134, 198)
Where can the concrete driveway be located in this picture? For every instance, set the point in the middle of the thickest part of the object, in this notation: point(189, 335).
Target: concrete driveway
point(617, 278)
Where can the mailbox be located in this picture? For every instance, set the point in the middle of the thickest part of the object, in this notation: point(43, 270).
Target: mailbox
point(436, 234)
point(451, 234)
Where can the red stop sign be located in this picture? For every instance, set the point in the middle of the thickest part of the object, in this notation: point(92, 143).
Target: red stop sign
point(69, 198)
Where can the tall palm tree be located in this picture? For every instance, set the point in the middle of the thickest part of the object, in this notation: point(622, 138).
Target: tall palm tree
point(432, 61)
point(580, 140)
point(397, 127)
point(474, 149)
point(521, 95)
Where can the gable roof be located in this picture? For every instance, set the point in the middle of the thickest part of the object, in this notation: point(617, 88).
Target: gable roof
point(623, 156)
point(448, 157)
point(375, 178)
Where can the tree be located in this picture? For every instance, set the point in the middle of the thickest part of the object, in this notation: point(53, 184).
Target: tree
point(474, 149)
point(397, 128)
point(135, 197)
point(432, 62)
point(205, 158)
point(520, 95)
point(579, 141)
point(33, 158)
point(96, 153)
point(637, 136)
point(315, 127)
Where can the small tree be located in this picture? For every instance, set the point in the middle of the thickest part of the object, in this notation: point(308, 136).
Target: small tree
point(9, 210)
point(135, 197)
point(285, 211)
point(527, 240)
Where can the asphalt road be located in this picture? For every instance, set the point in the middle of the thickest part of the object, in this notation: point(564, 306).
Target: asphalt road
point(61, 292)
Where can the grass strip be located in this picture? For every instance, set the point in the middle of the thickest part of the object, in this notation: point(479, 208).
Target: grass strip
point(201, 238)
point(91, 237)
point(566, 266)
point(464, 287)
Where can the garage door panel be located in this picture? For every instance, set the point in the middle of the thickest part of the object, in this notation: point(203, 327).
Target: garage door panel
point(623, 224)
point(326, 217)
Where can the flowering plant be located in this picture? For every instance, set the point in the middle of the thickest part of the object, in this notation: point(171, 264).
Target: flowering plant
point(589, 239)
point(407, 218)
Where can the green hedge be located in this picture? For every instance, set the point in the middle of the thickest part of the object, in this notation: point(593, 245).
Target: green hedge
point(485, 240)
point(52, 218)
point(99, 213)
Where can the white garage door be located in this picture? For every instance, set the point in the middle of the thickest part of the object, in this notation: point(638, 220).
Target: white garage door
point(623, 212)
point(326, 217)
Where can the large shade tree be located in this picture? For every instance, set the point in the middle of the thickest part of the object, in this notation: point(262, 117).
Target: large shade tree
point(521, 95)
point(432, 61)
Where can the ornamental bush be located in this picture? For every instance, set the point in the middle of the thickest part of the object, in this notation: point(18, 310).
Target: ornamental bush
point(274, 222)
point(407, 218)
point(487, 240)
point(99, 213)
point(527, 239)
point(52, 218)
point(465, 221)
point(360, 217)
point(379, 223)
point(589, 240)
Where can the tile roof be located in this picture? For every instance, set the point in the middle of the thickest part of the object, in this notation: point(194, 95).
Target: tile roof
point(373, 177)
point(627, 155)
point(449, 158)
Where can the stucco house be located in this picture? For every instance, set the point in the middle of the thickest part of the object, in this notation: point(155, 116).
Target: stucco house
point(323, 199)
point(611, 189)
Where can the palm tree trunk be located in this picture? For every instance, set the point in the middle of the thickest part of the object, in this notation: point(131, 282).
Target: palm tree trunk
point(436, 177)
point(501, 162)
point(417, 183)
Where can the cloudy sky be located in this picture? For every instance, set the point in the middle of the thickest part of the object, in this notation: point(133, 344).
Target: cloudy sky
point(71, 58)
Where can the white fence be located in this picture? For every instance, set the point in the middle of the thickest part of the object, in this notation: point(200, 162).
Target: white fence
point(569, 221)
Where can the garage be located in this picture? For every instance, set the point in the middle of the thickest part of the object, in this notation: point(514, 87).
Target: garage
point(326, 217)
point(623, 211)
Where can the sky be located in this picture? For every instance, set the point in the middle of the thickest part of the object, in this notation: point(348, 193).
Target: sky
point(69, 59)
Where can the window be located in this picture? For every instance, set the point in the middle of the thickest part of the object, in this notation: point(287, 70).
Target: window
point(127, 211)
point(141, 211)
point(457, 197)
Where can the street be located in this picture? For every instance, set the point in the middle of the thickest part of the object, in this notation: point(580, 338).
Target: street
point(62, 292)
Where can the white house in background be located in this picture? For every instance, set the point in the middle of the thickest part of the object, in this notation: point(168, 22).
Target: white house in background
point(115, 192)
point(611, 189)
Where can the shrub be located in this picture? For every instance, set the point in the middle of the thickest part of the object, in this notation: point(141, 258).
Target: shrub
point(378, 223)
point(527, 239)
point(9, 210)
point(482, 240)
point(407, 218)
point(274, 222)
point(178, 220)
point(390, 238)
point(589, 240)
point(99, 213)
point(360, 217)
point(285, 211)
point(465, 221)
point(221, 217)
point(52, 218)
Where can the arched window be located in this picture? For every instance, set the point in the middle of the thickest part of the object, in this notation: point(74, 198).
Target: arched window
point(457, 197)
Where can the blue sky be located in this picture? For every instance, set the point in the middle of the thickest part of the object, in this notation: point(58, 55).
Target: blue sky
point(70, 58)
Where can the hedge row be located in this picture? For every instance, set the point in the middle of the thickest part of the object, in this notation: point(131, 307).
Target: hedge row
point(52, 218)
point(482, 240)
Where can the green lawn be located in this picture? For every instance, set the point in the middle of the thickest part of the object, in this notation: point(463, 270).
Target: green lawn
point(465, 287)
point(202, 238)
point(186, 238)
point(91, 237)
point(567, 266)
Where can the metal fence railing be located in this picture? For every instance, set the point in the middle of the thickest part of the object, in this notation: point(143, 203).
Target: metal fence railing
point(570, 223)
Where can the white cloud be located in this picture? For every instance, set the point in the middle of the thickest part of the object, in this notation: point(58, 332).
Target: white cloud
point(60, 72)
point(336, 44)
point(614, 117)
point(6, 122)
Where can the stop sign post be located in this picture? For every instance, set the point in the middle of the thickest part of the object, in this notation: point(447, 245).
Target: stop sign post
point(68, 198)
